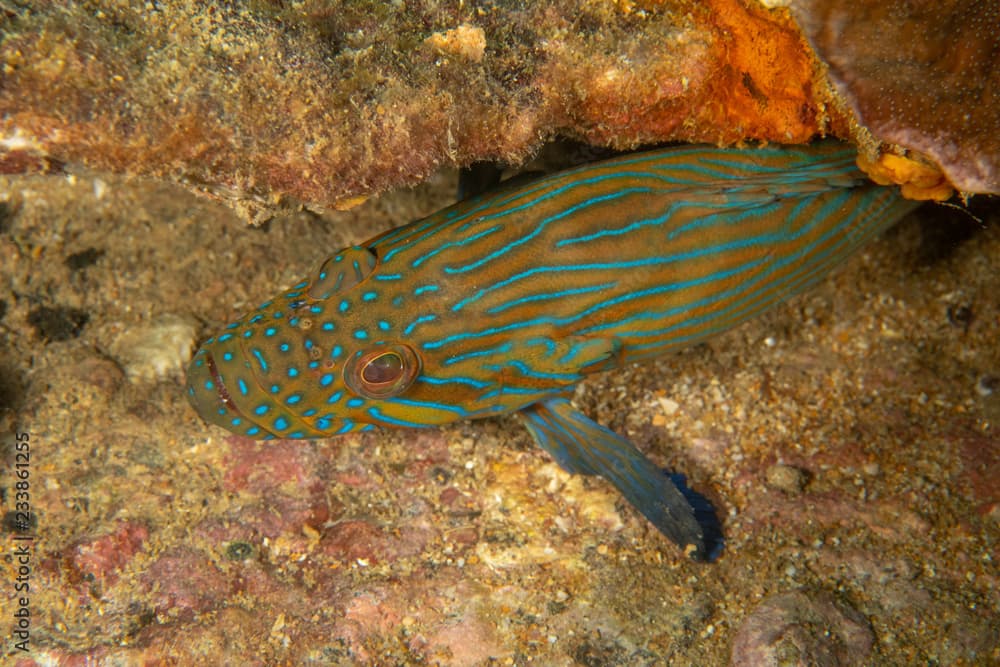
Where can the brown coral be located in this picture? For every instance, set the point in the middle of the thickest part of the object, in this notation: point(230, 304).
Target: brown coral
point(329, 100)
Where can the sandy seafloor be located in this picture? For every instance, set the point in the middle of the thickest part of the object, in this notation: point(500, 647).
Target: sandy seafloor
point(850, 439)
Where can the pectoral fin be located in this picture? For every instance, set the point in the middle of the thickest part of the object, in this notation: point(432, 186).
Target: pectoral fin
point(583, 446)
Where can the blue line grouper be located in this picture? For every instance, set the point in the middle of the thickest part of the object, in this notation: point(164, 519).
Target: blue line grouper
point(504, 302)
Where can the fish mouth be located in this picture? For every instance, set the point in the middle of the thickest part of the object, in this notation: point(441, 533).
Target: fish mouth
point(220, 386)
point(212, 399)
point(218, 407)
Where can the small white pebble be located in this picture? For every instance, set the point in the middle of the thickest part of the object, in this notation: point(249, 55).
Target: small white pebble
point(158, 349)
point(669, 407)
point(769, 341)
point(786, 478)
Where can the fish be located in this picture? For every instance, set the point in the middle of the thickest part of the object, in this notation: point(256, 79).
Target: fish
point(505, 301)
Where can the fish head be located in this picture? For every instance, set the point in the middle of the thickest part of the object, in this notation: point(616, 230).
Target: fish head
point(330, 356)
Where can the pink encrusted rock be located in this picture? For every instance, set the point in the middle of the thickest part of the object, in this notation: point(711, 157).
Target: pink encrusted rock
point(277, 514)
point(371, 611)
point(449, 496)
point(102, 558)
point(980, 455)
point(891, 517)
point(253, 465)
point(428, 448)
point(463, 538)
point(221, 531)
point(356, 477)
point(183, 583)
point(465, 642)
point(806, 627)
point(361, 541)
point(284, 488)
point(352, 541)
point(437, 619)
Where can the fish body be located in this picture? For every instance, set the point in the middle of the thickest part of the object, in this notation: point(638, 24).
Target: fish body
point(504, 302)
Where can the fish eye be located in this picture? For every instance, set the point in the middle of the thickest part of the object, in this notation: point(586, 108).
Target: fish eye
point(382, 372)
point(384, 368)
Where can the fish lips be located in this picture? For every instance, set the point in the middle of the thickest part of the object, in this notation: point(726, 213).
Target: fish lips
point(210, 397)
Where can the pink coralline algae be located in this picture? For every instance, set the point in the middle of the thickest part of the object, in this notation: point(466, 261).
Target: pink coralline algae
point(100, 559)
point(808, 627)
